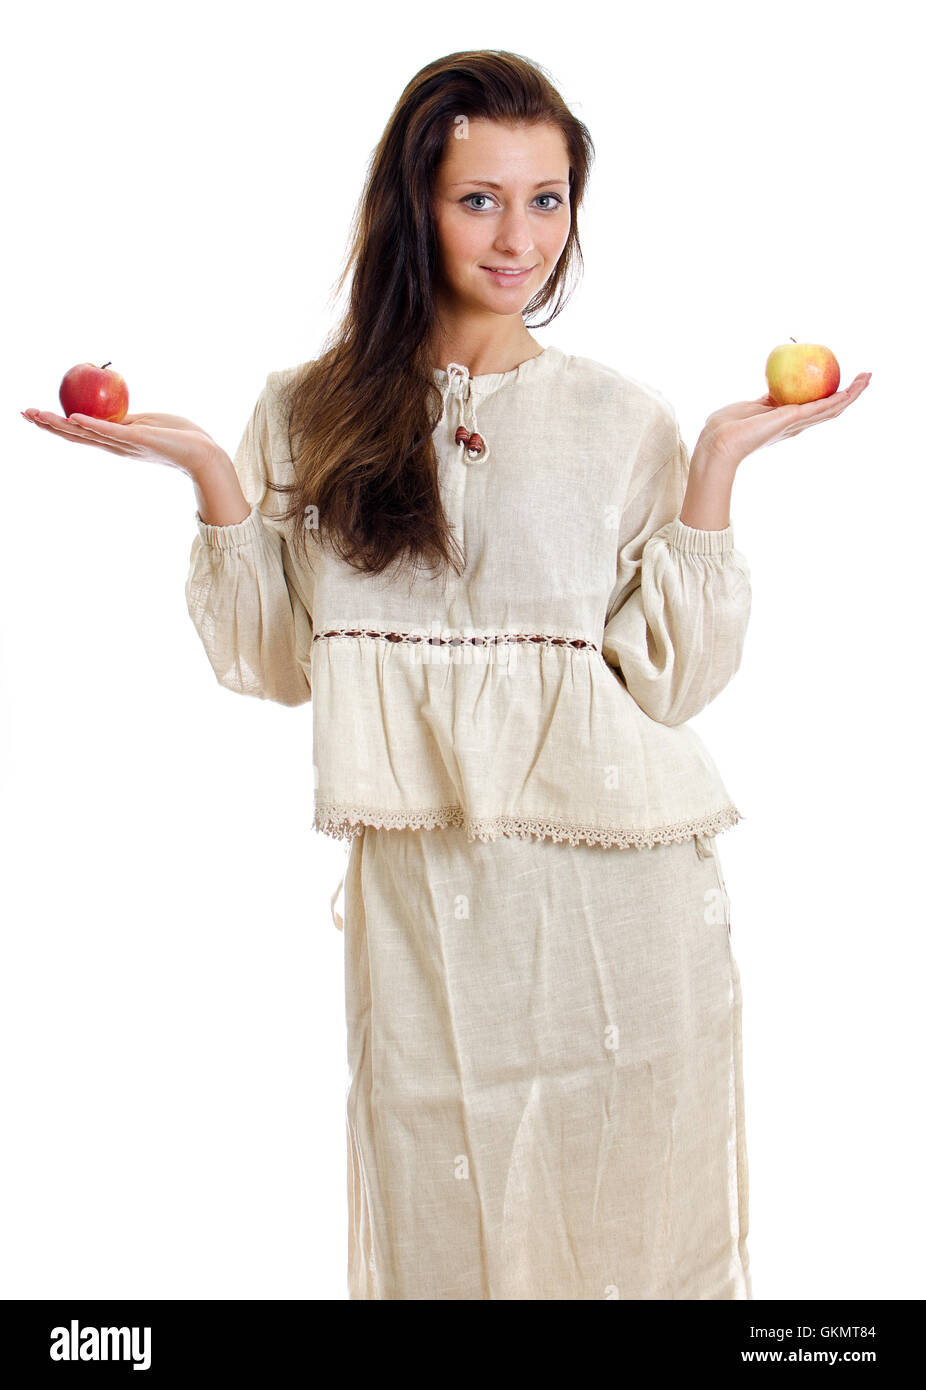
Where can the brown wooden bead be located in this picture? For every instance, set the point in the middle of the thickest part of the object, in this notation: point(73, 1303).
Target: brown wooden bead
point(476, 443)
point(462, 435)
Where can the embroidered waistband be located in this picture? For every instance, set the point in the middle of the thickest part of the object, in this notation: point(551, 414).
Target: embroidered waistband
point(477, 640)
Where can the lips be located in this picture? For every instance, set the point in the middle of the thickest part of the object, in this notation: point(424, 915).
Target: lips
point(509, 277)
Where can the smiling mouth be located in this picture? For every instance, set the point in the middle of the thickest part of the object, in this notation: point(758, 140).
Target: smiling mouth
point(508, 270)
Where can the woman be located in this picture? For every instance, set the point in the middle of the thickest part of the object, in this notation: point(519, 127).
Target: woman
point(543, 1006)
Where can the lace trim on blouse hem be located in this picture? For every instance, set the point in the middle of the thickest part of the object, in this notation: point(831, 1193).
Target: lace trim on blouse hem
point(345, 823)
point(476, 640)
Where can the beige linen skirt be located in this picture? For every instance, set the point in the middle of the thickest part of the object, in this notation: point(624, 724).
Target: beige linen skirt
point(545, 1060)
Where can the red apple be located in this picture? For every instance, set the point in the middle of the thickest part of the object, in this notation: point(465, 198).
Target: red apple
point(96, 391)
point(800, 372)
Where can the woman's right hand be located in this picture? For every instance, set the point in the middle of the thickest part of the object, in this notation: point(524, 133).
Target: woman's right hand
point(168, 439)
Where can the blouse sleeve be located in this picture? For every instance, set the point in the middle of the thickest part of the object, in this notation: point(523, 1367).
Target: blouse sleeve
point(241, 591)
point(677, 617)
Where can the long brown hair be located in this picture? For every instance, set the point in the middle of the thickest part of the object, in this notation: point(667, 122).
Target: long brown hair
point(361, 416)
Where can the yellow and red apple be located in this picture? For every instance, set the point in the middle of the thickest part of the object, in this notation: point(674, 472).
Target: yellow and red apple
point(800, 372)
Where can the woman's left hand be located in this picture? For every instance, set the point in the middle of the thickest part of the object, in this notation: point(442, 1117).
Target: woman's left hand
point(737, 430)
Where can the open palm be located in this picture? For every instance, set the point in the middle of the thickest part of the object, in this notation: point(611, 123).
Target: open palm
point(169, 439)
point(737, 430)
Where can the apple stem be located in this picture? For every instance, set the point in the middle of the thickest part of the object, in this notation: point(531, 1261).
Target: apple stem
point(794, 340)
point(109, 364)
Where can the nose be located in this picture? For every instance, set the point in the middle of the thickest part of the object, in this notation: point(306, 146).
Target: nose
point(514, 237)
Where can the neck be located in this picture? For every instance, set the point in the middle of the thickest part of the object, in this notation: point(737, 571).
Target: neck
point(485, 345)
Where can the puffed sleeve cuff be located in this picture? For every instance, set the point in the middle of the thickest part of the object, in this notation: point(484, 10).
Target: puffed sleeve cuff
point(231, 537)
point(694, 541)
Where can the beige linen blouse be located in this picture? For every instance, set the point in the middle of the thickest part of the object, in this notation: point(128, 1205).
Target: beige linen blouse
point(543, 692)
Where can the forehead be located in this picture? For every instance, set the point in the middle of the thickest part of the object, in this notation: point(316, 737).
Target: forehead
point(487, 150)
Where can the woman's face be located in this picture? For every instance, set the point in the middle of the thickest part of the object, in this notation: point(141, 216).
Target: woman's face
point(501, 201)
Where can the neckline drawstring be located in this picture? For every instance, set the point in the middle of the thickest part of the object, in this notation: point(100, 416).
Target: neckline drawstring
point(460, 382)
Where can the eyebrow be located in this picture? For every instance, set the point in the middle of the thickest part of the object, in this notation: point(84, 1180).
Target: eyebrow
point(489, 184)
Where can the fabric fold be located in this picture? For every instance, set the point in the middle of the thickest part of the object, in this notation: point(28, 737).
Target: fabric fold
point(484, 746)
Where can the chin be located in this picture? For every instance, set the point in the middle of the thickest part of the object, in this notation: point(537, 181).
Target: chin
point(503, 301)
point(508, 311)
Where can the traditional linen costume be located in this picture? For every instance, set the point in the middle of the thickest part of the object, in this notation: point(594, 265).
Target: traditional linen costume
point(543, 1006)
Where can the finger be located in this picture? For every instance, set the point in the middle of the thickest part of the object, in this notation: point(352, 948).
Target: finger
point(853, 389)
point(91, 422)
point(54, 423)
point(840, 399)
point(90, 425)
point(95, 431)
point(79, 435)
point(816, 412)
point(128, 439)
point(828, 406)
point(87, 441)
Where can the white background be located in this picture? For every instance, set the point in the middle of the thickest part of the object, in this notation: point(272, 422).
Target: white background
point(180, 181)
